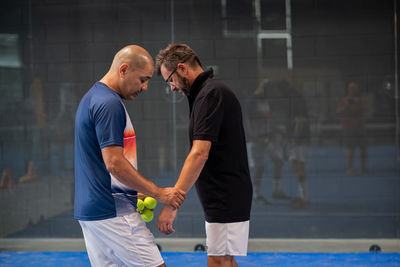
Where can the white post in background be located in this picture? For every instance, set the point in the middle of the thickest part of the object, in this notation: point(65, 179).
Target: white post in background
point(396, 79)
point(174, 160)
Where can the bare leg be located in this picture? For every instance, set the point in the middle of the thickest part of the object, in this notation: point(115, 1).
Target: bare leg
point(258, 172)
point(277, 169)
point(363, 159)
point(277, 176)
point(349, 161)
point(301, 178)
point(278, 193)
point(299, 170)
point(221, 261)
point(294, 166)
point(234, 264)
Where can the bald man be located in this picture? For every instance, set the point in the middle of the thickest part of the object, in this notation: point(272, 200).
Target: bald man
point(106, 178)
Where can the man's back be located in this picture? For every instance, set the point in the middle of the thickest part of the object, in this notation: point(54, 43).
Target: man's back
point(93, 199)
point(224, 185)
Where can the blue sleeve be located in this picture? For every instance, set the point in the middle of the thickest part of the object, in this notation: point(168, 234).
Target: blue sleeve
point(110, 119)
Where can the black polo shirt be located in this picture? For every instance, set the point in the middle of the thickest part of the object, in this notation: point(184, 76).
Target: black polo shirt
point(224, 185)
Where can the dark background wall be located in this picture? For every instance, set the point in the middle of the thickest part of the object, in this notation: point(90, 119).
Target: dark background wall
point(62, 47)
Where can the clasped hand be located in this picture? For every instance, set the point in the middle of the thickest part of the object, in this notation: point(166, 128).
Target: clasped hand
point(171, 196)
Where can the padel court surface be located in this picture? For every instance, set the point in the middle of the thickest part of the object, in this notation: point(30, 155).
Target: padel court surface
point(192, 259)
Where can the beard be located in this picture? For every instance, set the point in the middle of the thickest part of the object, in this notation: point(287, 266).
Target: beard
point(185, 88)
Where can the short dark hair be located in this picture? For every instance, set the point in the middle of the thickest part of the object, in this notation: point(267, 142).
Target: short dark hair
point(174, 54)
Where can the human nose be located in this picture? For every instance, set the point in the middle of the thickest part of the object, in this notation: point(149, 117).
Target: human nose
point(145, 86)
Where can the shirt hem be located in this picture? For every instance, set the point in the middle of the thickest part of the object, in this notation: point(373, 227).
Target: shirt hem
point(111, 143)
point(95, 218)
point(205, 137)
point(227, 220)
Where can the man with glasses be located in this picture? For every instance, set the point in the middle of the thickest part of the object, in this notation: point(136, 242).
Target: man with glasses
point(217, 161)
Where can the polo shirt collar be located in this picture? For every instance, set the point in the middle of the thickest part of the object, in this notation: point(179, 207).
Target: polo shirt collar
point(198, 82)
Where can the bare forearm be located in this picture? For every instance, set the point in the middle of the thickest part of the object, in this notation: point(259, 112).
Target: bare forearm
point(191, 170)
point(194, 163)
point(122, 170)
point(192, 167)
point(129, 176)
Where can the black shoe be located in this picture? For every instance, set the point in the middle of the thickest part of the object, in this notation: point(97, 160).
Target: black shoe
point(299, 203)
point(351, 172)
point(280, 195)
point(366, 171)
point(261, 200)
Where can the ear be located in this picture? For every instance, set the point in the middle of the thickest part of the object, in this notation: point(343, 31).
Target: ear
point(184, 68)
point(123, 69)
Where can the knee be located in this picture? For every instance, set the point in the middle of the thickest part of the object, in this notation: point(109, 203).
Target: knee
point(278, 163)
point(294, 165)
point(302, 178)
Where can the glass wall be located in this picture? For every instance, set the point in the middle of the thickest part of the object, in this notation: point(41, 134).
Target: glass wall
point(317, 81)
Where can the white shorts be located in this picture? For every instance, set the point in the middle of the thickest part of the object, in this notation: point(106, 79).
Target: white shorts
point(259, 154)
point(299, 153)
point(120, 241)
point(227, 238)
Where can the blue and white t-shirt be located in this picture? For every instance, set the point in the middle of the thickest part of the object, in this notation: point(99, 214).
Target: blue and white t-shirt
point(101, 120)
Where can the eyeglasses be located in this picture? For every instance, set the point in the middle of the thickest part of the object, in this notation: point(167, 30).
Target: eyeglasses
point(186, 58)
point(169, 77)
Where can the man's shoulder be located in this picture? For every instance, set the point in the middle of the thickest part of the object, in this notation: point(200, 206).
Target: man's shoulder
point(100, 100)
point(215, 87)
point(215, 83)
point(101, 95)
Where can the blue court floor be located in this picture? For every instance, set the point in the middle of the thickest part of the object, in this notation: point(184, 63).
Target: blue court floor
point(199, 259)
